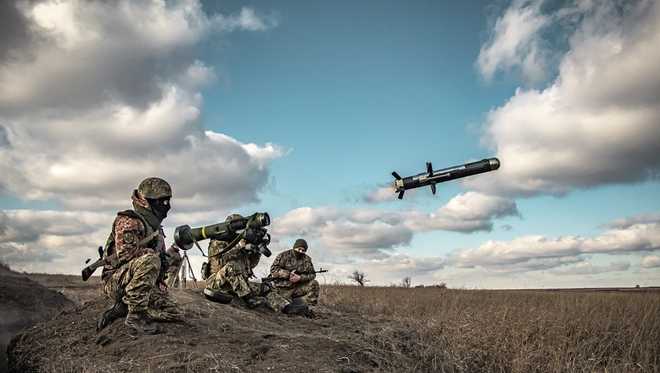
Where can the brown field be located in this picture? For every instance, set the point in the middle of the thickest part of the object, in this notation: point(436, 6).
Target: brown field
point(365, 329)
point(516, 331)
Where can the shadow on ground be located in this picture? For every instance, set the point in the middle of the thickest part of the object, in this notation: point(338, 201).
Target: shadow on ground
point(23, 303)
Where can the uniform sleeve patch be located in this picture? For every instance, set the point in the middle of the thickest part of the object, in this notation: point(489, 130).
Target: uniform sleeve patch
point(129, 238)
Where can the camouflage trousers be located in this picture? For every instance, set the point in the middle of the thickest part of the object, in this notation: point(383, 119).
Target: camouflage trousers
point(235, 283)
point(135, 284)
point(309, 291)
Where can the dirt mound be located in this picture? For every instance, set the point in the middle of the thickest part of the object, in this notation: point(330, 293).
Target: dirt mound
point(214, 337)
point(23, 303)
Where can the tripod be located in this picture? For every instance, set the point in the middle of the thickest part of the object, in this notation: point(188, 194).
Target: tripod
point(185, 268)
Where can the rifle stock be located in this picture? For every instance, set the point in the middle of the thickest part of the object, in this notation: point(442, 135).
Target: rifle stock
point(88, 271)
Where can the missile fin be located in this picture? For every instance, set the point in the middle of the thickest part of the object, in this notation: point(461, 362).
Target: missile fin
point(433, 188)
point(396, 175)
point(429, 168)
point(401, 194)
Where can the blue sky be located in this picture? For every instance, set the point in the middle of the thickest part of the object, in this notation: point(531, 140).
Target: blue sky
point(357, 95)
point(303, 109)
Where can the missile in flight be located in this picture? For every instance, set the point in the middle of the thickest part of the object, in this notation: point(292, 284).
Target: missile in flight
point(432, 177)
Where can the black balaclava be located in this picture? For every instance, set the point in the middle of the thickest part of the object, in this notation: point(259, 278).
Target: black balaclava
point(144, 207)
point(159, 207)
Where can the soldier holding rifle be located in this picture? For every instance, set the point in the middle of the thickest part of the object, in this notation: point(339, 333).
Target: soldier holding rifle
point(134, 262)
point(294, 276)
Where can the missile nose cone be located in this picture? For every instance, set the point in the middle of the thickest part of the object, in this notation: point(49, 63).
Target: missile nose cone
point(494, 163)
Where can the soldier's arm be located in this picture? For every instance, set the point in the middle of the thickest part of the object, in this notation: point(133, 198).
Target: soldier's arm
point(128, 233)
point(307, 271)
point(216, 246)
point(276, 269)
point(233, 254)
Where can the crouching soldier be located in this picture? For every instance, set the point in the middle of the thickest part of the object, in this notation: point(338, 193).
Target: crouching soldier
point(230, 274)
point(135, 261)
point(294, 275)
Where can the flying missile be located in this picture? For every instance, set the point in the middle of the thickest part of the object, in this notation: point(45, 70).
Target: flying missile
point(432, 177)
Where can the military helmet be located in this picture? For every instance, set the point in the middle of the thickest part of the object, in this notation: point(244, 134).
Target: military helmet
point(154, 188)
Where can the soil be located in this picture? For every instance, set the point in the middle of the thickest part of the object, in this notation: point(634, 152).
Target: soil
point(23, 303)
point(213, 337)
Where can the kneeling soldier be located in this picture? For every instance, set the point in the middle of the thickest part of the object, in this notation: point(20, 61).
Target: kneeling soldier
point(134, 257)
point(294, 275)
point(230, 273)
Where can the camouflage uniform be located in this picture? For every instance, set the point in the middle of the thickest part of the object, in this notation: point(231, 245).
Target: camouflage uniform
point(215, 259)
point(132, 272)
point(174, 261)
point(233, 275)
point(307, 288)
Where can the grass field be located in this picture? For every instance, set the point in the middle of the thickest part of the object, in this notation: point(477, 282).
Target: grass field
point(451, 330)
point(513, 331)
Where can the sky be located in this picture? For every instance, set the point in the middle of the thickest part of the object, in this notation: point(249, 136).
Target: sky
point(303, 109)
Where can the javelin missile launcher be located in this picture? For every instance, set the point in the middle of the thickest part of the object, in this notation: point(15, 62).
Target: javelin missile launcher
point(432, 177)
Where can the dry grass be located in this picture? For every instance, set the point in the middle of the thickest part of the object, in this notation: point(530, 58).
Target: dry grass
point(514, 331)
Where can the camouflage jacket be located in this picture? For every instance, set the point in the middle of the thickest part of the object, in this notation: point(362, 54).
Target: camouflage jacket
point(127, 241)
point(286, 262)
point(241, 260)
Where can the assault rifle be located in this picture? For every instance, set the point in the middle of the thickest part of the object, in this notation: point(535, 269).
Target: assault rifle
point(89, 270)
point(270, 278)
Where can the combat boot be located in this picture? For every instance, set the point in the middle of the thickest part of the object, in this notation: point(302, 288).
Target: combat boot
point(139, 323)
point(253, 301)
point(118, 310)
point(297, 309)
point(217, 296)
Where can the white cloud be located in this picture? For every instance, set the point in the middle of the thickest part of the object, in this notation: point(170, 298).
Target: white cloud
point(90, 167)
point(651, 261)
point(386, 270)
point(587, 268)
point(247, 19)
point(467, 212)
point(633, 220)
point(83, 53)
point(104, 95)
point(515, 42)
point(366, 232)
point(51, 241)
point(361, 238)
point(60, 241)
point(598, 122)
point(523, 251)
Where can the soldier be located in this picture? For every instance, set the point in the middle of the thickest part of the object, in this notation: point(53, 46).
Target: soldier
point(174, 261)
point(294, 276)
point(217, 261)
point(134, 258)
point(230, 274)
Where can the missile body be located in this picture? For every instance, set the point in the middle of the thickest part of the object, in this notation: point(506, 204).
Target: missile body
point(431, 177)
